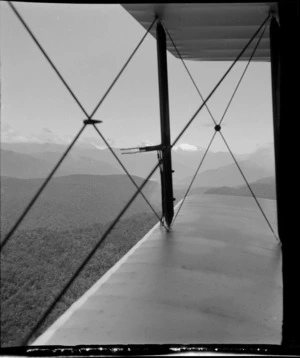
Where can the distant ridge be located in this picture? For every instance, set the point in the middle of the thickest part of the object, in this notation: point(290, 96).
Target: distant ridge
point(39, 165)
point(35, 160)
point(263, 188)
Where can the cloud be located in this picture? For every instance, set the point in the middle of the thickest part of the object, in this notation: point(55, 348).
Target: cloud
point(186, 147)
point(95, 142)
point(10, 135)
point(145, 143)
point(47, 130)
point(48, 136)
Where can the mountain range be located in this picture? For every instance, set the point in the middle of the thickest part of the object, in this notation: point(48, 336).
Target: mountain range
point(35, 160)
point(38, 165)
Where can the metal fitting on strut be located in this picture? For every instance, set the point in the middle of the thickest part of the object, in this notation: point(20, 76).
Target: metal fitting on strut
point(91, 121)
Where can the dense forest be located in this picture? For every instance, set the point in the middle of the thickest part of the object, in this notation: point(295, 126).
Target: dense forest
point(37, 263)
point(73, 201)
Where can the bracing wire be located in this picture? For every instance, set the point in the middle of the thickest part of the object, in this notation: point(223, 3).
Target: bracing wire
point(46, 56)
point(87, 259)
point(194, 177)
point(222, 118)
point(74, 276)
point(230, 151)
point(61, 160)
point(112, 225)
point(243, 74)
point(29, 206)
point(224, 113)
point(219, 82)
point(189, 73)
point(126, 171)
point(50, 308)
point(122, 69)
point(41, 189)
point(249, 187)
point(59, 74)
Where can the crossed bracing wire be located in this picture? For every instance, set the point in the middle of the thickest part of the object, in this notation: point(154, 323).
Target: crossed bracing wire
point(86, 122)
point(211, 115)
point(218, 129)
point(93, 122)
point(74, 276)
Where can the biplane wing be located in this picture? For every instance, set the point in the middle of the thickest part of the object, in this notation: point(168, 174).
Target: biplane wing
point(208, 31)
point(215, 276)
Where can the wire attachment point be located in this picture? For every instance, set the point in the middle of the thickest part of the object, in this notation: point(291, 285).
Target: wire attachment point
point(217, 128)
point(149, 148)
point(91, 121)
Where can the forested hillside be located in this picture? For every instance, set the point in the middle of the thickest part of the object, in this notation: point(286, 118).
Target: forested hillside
point(36, 264)
point(58, 233)
point(73, 201)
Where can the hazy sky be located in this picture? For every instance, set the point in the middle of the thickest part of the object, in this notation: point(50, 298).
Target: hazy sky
point(89, 44)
